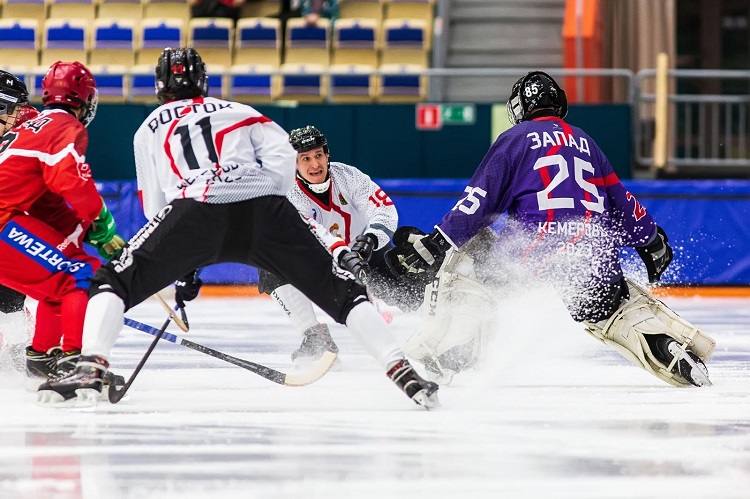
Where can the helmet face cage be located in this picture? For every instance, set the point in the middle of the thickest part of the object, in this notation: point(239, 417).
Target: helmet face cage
point(180, 74)
point(534, 91)
point(13, 93)
point(71, 84)
point(307, 139)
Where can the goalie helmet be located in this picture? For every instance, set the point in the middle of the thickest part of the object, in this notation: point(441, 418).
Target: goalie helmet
point(13, 95)
point(71, 84)
point(180, 74)
point(307, 139)
point(536, 90)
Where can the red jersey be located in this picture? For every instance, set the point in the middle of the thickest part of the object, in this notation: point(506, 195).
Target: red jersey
point(43, 172)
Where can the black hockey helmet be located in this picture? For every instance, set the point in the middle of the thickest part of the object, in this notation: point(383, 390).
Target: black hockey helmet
point(534, 91)
point(180, 74)
point(13, 93)
point(308, 138)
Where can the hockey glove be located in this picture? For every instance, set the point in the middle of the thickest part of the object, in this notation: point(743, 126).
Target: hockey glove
point(102, 229)
point(187, 288)
point(415, 251)
point(354, 263)
point(112, 249)
point(364, 244)
point(656, 255)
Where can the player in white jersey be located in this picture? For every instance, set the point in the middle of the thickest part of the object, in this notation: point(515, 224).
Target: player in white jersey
point(212, 175)
point(352, 207)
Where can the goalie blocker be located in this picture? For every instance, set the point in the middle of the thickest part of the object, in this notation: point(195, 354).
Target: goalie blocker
point(652, 336)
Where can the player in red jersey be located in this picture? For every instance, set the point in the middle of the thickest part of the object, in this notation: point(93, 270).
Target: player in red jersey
point(49, 206)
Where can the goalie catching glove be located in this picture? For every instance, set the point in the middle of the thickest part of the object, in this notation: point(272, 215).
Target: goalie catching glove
point(415, 251)
point(657, 255)
point(103, 237)
point(187, 288)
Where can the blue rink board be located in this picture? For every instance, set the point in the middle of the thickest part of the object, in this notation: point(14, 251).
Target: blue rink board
point(707, 221)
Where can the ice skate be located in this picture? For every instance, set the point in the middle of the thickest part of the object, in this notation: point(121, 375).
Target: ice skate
point(80, 388)
point(682, 362)
point(66, 362)
point(316, 341)
point(42, 365)
point(422, 392)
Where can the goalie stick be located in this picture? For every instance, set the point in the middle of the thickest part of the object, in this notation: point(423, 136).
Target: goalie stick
point(319, 368)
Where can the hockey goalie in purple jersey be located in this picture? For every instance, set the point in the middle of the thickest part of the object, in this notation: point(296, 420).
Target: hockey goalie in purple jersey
point(568, 215)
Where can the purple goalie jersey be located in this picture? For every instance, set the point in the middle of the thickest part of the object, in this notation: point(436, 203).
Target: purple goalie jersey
point(553, 180)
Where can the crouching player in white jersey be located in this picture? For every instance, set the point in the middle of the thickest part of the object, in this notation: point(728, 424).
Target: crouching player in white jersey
point(352, 208)
point(212, 175)
point(568, 215)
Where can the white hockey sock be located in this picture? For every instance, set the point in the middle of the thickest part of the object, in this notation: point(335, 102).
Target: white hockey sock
point(297, 307)
point(104, 321)
point(369, 328)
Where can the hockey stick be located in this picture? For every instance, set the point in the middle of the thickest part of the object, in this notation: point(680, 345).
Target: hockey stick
point(181, 323)
point(117, 392)
point(319, 368)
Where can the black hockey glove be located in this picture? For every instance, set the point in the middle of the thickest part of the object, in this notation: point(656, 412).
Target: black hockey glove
point(364, 244)
point(656, 255)
point(354, 263)
point(415, 251)
point(187, 288)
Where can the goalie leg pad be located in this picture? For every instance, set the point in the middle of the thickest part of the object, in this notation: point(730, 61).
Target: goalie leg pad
point(637, 321)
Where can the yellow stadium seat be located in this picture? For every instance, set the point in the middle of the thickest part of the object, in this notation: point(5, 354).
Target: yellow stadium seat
point(65, 40)
point(217, 82)
point(213, 39)
point(405, 41)
point(352, 83)
point(142, 83)
point(112, 82)
point(356, 41)
point(26, 9)
point(19, 42)
point(253, 83)
point(121, 9)
point(156, 35)
point(413, 9)
point(303, 82)
point(401, 83)
point(258, 42)
point(113, 42)
point(260, 8)
point(361, 9)
point(167, 8)
point(307, 44)
point(84, 10)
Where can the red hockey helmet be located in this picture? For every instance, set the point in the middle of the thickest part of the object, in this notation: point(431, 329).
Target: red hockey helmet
point(71, 84)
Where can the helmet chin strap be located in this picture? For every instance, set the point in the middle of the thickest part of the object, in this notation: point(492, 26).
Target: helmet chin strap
point(321, 187)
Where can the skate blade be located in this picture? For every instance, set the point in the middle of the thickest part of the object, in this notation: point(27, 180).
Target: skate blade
point(86, 398)
point(697, 376)
point(426, 399)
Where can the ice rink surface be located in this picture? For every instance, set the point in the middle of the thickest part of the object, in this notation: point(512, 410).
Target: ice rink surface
point(551, 414)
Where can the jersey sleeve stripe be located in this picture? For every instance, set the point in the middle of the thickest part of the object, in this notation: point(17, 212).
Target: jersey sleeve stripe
point(246, 122)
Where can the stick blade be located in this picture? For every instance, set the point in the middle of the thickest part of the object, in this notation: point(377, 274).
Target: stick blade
point(318, 369)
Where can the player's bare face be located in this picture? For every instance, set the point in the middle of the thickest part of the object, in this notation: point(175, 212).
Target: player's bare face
point(8, 121)
point(313, 165)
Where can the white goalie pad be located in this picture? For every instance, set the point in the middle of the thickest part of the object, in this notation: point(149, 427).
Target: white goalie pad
point(640, 316)
point(458, 315)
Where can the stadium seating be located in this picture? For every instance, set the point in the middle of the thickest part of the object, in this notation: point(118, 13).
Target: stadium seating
point(121, 9)
point(401, 83)
point(19, 42)
point(35, 89)
point(258, 42)
point(352, 83)
point(307, 44)
point(111, 82)
point(157, 34)
point(113, 42)
point(253, 83)
point(260, 8)
point(142, 83)
point(26, 9)
point(179, 9)
point(413, 9)
point(65, 40)
point(83, 10)
point(359, 9)
point(216, 82)
point(303, 82)
point(405, 41)
point(213, 39)
point(356, 41)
